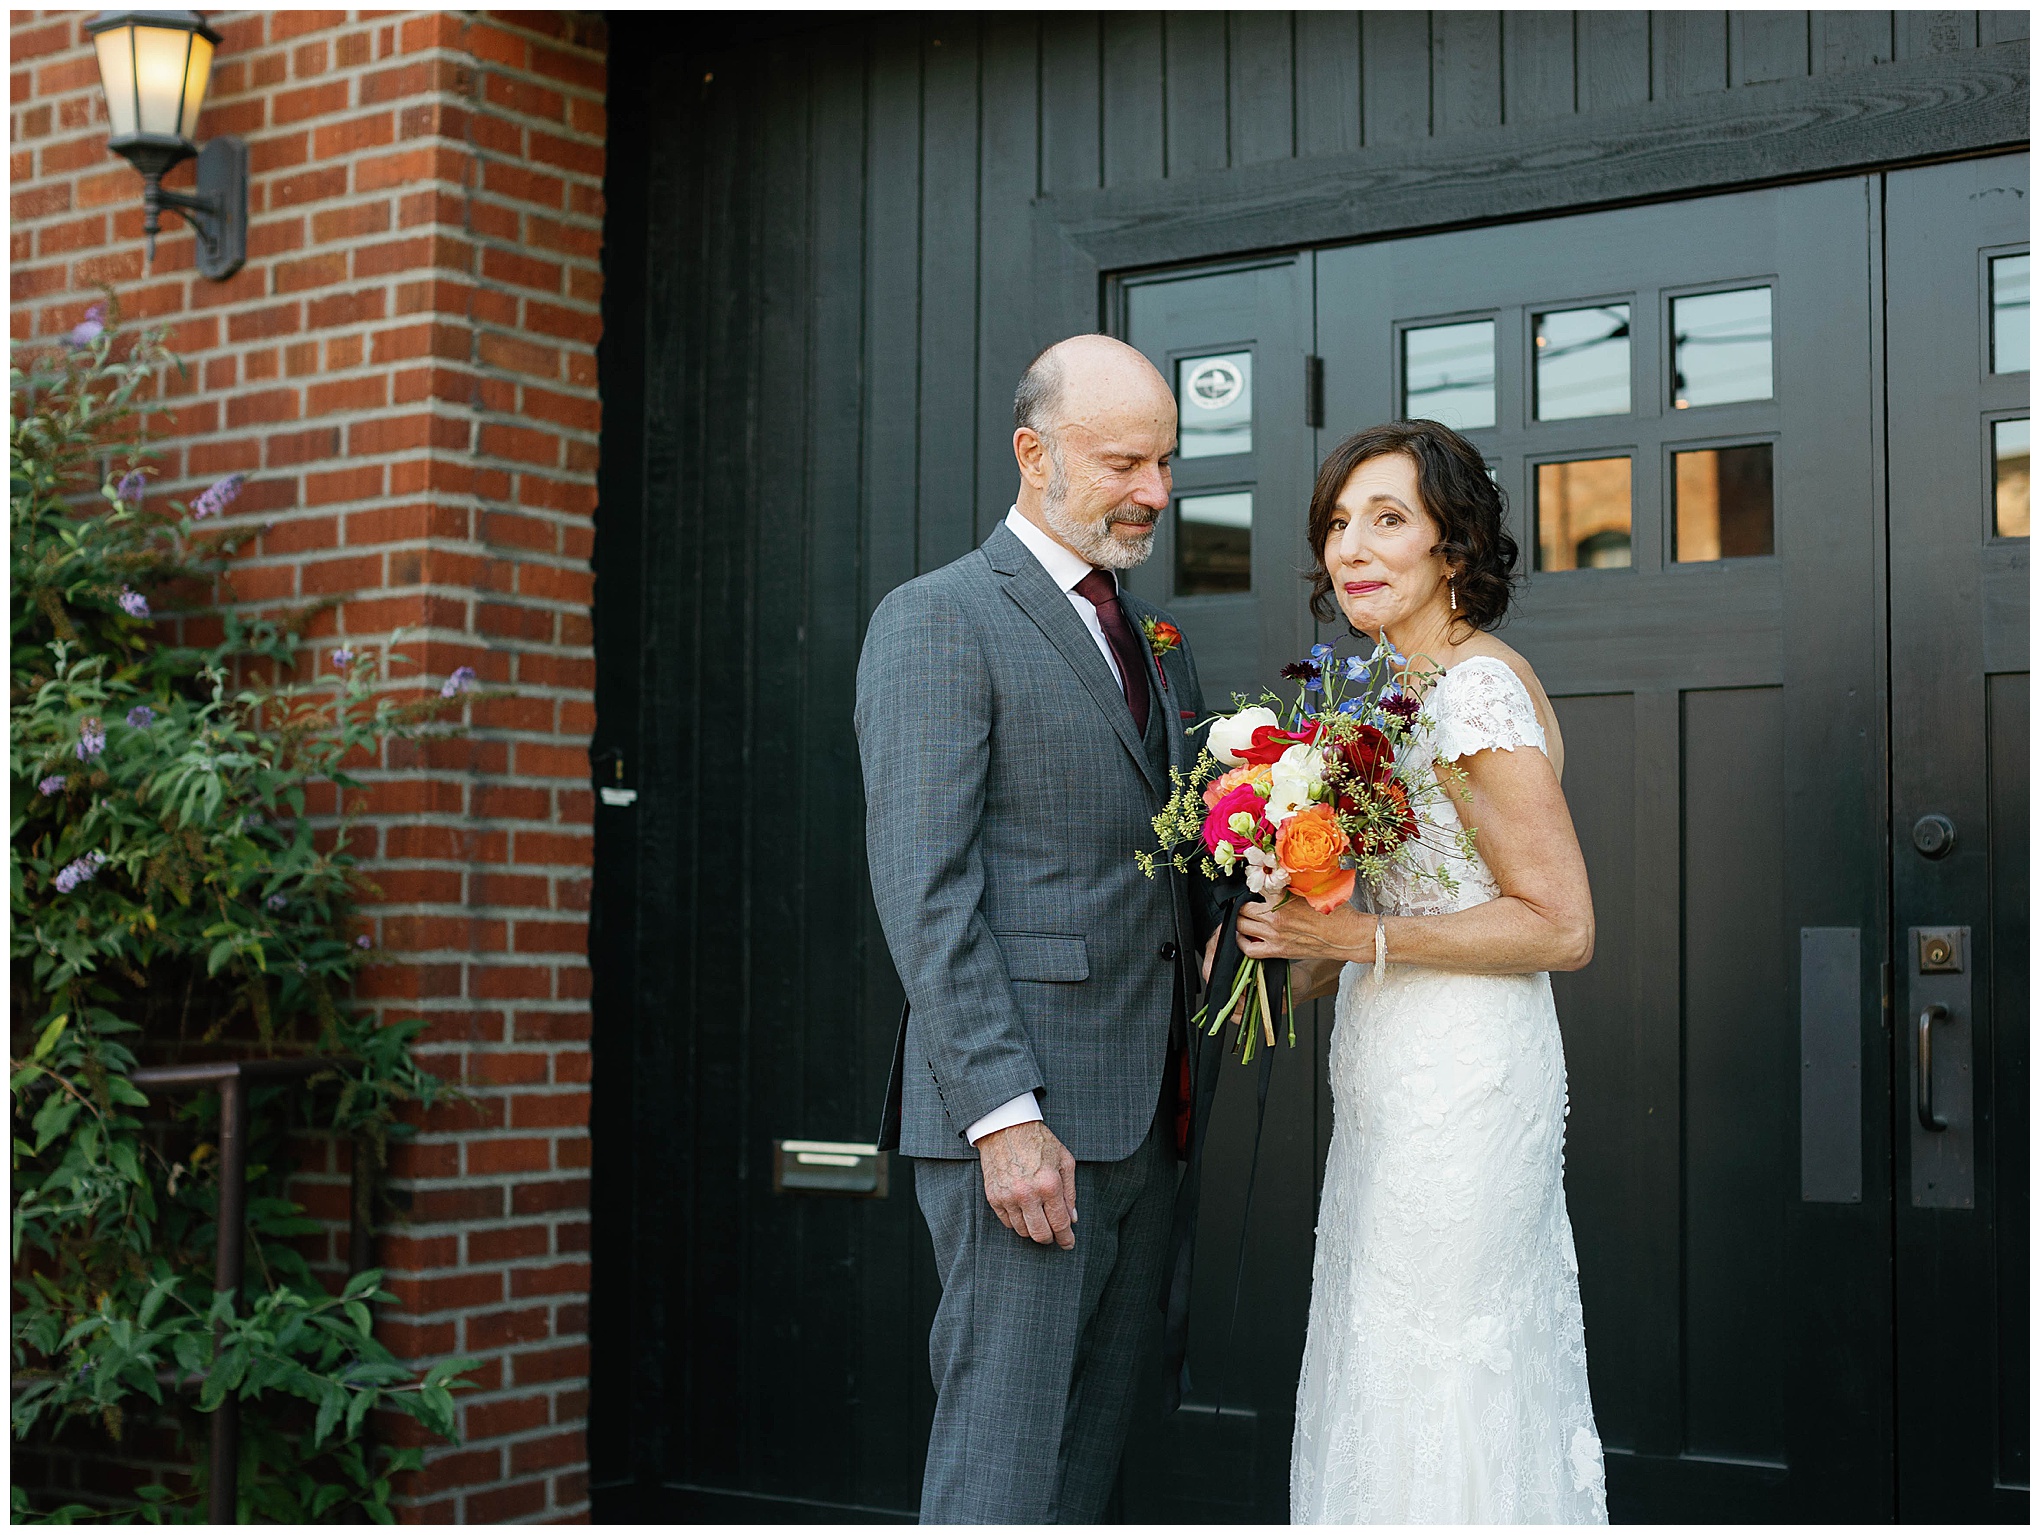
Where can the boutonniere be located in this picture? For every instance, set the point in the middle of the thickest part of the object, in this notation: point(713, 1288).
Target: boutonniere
point(1162, 637)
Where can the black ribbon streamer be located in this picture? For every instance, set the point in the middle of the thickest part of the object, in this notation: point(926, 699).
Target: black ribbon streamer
point(1207, 1055)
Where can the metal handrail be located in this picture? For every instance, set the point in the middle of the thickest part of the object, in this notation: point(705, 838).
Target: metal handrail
point(233, 1079)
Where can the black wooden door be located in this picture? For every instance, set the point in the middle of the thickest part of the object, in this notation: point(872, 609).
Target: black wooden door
point(1956, 306)
point(1679, 402)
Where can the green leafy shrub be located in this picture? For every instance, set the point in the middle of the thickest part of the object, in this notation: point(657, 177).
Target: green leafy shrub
point(178, 894)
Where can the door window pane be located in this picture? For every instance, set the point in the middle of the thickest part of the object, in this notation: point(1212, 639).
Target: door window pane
point(1721, 347)
point(1215, 405)
point(1583, 514)
point(1583, 363)
point(2011, 308)
point(2012, 497)
point(1449, 374)
point(1214, 543)
point(1721, 501)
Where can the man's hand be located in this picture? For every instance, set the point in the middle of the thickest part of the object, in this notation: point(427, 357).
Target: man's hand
point(1031, 1182)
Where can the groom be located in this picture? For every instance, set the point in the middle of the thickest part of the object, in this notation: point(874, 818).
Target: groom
point(1018, 716)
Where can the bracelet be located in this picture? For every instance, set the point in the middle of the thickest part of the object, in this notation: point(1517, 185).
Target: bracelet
point(1380, 948)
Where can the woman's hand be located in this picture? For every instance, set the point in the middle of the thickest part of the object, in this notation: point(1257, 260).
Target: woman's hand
point(1294, 929)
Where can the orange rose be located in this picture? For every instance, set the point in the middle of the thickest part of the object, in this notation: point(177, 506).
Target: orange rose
point(1225, 783)
point(1310, 845)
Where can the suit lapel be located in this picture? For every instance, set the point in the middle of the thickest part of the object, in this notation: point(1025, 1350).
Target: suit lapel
point(1049, 606)
point(1162, 697)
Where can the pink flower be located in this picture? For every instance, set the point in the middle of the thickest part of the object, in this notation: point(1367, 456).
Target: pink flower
point(1218, 820)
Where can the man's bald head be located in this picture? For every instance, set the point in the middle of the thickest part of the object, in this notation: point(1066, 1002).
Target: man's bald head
point(1082, 366)
point(1094, 428)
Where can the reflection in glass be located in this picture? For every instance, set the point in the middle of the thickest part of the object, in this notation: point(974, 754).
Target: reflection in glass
point(1583, 363)
point(1449, 374)
point(2011, 308)
point(1721, 347)
point(1722, 502)
point(1214, 543)
point(2013, 493)
point(1583, 514)
point(1215, 405)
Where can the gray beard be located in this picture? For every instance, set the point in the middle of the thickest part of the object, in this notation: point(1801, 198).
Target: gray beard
point(1092, 540)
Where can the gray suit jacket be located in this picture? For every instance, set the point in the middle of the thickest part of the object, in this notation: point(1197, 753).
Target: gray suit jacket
point(1006, 795)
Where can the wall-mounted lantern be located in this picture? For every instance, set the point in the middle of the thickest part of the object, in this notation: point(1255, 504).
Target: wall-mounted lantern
point(154, 67)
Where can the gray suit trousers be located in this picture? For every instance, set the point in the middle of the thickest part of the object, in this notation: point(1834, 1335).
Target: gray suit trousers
point(1035, 1351)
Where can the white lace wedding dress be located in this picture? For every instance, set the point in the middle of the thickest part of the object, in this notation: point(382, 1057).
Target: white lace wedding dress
point(1445, 1372)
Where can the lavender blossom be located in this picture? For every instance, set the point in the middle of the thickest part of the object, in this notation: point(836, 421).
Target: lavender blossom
point(132, 487)
point(91, 739)
point(276, 902)
point(133, 603)
point(218, 496)
point(361, 942)
point(79, 870)
point(343, 658)
point(462, 679)
point(141, 717)
point(89, 329)
point(54, 784)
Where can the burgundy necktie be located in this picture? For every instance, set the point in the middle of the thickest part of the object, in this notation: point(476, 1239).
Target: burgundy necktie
point(1099, 590)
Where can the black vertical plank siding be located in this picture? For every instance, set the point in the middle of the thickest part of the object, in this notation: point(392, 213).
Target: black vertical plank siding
point(1071, 50)
point(1327, 82)
point(1261, 85)
point(1690, 51)
point(1768, 45)
point(1845, 40)
point(1537, 65)
point(892, 310)
point(1133, 109)
point(1194, 76)
point(1614, 59)
point(1006, 326)
point(949, 257)
point(1395, 76)
point(1466, 70)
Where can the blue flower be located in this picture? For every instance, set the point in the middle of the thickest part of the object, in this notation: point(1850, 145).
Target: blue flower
point(462, 679)
point(132, 487)
point(133, 603)
point(1356, 669)
point(141, 717)
point(54, 784)
point(1320, 652)
point(89, 329)
point(276, 902)
point(361, 942)
point(91, 739)
point(1351, 708)
point(79, 870)
point(343, 658)
point(218, 495)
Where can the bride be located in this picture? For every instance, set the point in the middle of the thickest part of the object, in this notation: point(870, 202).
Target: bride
point(1445, 1371)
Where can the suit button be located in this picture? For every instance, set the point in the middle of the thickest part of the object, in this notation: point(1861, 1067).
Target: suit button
point(1168, 951)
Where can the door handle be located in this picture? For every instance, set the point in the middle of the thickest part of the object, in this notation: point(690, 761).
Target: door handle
point(1923, 1066)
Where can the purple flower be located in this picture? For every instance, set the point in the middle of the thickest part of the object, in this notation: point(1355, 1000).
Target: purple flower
point(89, 329)
point(132, 487)
point(276, 902)
point(361, 942)
point(133, 603)
point(1402, 706)
point(141, 717)
point(91, 739)
point(462, 679)
point(218, 495)
point(54, 784)
point(79, 870)
point(343, 658)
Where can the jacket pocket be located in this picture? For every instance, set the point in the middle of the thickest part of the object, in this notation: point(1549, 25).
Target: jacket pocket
point(1044, 957)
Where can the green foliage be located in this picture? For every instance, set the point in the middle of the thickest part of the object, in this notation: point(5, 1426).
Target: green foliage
point(170, 889)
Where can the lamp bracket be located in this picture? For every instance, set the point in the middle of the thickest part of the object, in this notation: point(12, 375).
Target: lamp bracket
point(217, 212)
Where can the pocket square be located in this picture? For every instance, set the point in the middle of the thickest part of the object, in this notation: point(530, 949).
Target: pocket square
point(1188, 714)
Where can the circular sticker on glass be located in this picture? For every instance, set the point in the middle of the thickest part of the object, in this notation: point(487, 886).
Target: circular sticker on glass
point(1214, 384)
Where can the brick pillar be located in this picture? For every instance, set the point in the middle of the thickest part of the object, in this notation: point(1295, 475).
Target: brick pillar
point(405, 370)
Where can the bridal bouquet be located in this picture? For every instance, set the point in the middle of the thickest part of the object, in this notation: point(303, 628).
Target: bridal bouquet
point(1303, 800)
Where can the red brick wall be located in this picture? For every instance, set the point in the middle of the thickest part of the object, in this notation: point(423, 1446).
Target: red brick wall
point(405, 370)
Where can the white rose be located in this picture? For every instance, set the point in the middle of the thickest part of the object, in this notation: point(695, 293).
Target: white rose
point(1296, 773)
point(1230, 734)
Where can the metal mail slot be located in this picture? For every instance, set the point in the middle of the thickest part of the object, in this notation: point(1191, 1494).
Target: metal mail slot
point(829, 1167)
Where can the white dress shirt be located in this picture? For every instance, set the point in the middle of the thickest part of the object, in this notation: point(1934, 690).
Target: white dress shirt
point(1065, 568)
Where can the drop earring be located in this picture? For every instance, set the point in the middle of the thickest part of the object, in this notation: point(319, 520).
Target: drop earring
point(1452, 592)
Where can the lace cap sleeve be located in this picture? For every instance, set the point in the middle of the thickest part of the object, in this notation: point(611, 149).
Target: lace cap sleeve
point(1480, 704)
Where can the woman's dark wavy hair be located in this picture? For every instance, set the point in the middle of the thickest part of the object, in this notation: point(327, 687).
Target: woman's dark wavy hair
point(1468, 507)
